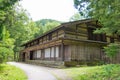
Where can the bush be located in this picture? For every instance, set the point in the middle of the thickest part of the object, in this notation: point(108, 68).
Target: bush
point(112, 50)
point(104, 72)
point(5, 53)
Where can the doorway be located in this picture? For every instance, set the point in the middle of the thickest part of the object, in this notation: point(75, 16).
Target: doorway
point(23, 57)
point(31, 55)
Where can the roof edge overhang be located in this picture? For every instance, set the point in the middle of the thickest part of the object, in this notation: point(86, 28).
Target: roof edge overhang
point(60, 26)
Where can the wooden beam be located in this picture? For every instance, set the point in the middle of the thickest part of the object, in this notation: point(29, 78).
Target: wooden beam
point(62, 51)
point(96, 25)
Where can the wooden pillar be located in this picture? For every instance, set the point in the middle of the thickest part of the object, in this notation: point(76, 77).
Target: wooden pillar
point(54, 53)
point(62, 51)
point(76, 31)
point(50, 52)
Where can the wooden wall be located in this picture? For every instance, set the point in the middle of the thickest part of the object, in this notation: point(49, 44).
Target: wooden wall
point(75, 32)
point(50, 53)
point(84, 31)
point(82, 51)
point(56, 35)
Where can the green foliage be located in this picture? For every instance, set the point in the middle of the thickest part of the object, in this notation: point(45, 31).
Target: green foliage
point(5, 5)
point(75, 17)
point(50, 25)
point(112, 50)
point(6, 43)
point(8, 72)
point(105, 72)
point(106, 11)
point(6, 47)
point(5, 54)
point(15, 29)
point(45, 25)
point(21, 27)
point(3, 31)
point(43, 22)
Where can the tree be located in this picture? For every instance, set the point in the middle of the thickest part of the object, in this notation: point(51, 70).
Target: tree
point(16, 29)
point(50, 25)
point(107, 12)
point(6, 43)
point(21, 27)
point(112, 49)
point(75, 17)
point(45, 25)
point(5, 5)
point(6, 48)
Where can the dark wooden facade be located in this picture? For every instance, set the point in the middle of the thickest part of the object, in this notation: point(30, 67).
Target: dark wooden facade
point(72, 41)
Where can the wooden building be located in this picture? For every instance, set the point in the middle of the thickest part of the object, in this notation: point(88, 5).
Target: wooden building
point(71, 41)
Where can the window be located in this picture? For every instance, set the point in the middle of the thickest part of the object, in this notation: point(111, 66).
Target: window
point(118, 38)
point(26, 46)
point(31, 55)
point(96, 37)
point(47, 53)
point(57, 52)
point(103, 37)
point(50, 37)
point(52, 52)
point(91, 36)
point(38, 53)
point(34, 54)
point(40, 41)
point(112, 40)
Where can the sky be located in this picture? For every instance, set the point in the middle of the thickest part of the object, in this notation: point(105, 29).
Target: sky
point(60, 10)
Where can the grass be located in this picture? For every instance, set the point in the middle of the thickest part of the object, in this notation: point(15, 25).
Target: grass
point(8, 72)
point(104, 72)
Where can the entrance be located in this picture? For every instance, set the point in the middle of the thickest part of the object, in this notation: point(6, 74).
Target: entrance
point(23, 57)
point(31, 55)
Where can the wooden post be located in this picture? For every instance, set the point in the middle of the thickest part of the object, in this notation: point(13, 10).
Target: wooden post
point(50, 52)
point(62, 51)
point(76, 31)
point(54, 53)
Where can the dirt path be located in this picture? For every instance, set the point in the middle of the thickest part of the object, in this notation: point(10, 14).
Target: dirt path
point(41, 73)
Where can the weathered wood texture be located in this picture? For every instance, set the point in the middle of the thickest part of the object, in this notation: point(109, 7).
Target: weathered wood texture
point(54, 36)
point(51, 53)
point(75, 40)
point(87, 51)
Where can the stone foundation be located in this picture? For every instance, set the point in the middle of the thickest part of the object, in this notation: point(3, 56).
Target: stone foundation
point(57, 64)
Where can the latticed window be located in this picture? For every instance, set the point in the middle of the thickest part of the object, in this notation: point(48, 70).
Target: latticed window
point(96, 37)
point(47, 53)
point(50, 37)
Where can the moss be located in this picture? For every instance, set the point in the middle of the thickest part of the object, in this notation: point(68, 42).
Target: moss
point(81, 63)
point(70, 63)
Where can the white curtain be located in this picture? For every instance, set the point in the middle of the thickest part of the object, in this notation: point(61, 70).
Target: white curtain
point(57, 52)
point(47, 53)
point(38, 53)
point(52, 52)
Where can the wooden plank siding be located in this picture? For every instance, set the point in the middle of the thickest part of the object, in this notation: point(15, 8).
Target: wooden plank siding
point(82, 50)
point(51, 53)
point(72, 41)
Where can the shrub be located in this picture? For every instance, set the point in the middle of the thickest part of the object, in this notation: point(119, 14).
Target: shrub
point(112, 50)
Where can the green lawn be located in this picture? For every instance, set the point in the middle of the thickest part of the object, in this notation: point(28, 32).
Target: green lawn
point(104, 72)
point(8, 72)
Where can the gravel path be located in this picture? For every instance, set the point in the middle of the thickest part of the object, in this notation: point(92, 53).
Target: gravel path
point(41, 73)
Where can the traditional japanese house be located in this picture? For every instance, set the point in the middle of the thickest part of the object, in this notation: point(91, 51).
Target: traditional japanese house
point(68, 42)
